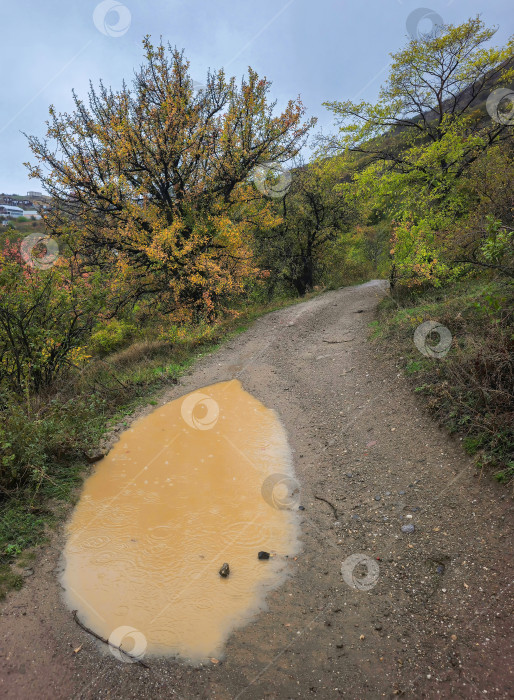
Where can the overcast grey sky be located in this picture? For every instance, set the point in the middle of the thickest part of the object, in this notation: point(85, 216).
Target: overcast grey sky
point(319, 49)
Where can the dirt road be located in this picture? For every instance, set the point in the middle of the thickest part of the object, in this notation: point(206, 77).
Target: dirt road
point(432, 615)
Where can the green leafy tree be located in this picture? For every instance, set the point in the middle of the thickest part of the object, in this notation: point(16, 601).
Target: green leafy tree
point(430, 120)
point(314, 212)
point(413, 151)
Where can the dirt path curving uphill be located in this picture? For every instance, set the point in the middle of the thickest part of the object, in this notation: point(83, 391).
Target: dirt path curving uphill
point(432, 616)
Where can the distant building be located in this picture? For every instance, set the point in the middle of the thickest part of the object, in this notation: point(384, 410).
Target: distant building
point(31, 212)
point(34, 194)
point(7, 212)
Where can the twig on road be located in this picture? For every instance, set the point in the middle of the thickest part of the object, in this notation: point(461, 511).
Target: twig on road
point(334, 509)
point(106, 641)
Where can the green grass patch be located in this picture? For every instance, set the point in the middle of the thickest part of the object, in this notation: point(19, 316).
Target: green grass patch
point(21, 526)
point(8, 580)
point(414, 366)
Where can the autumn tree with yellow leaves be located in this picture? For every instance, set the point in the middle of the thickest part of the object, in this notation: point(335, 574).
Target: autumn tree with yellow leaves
point(153, 183)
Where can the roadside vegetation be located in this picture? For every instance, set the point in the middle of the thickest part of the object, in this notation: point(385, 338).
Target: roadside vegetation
point(470, 390)
point(433, 163)
point(179, 214)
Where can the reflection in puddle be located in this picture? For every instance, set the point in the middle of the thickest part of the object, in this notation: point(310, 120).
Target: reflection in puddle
point(179, 495)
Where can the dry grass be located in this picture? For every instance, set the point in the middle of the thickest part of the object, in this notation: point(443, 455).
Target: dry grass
point(141, 351)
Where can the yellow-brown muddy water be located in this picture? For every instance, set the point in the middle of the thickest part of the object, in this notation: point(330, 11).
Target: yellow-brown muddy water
point(177, 496)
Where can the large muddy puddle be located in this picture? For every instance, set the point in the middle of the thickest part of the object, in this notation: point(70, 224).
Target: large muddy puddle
point(202, 481)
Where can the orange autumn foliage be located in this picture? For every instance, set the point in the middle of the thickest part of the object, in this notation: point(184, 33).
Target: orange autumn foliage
point(154, 182)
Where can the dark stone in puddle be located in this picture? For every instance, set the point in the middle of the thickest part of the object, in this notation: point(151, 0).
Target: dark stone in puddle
point(301, 507)
point(263, 555)
point(401, 493)
point(377, 498)
point(225, 570)
point(408, 528)
point(440, 569)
